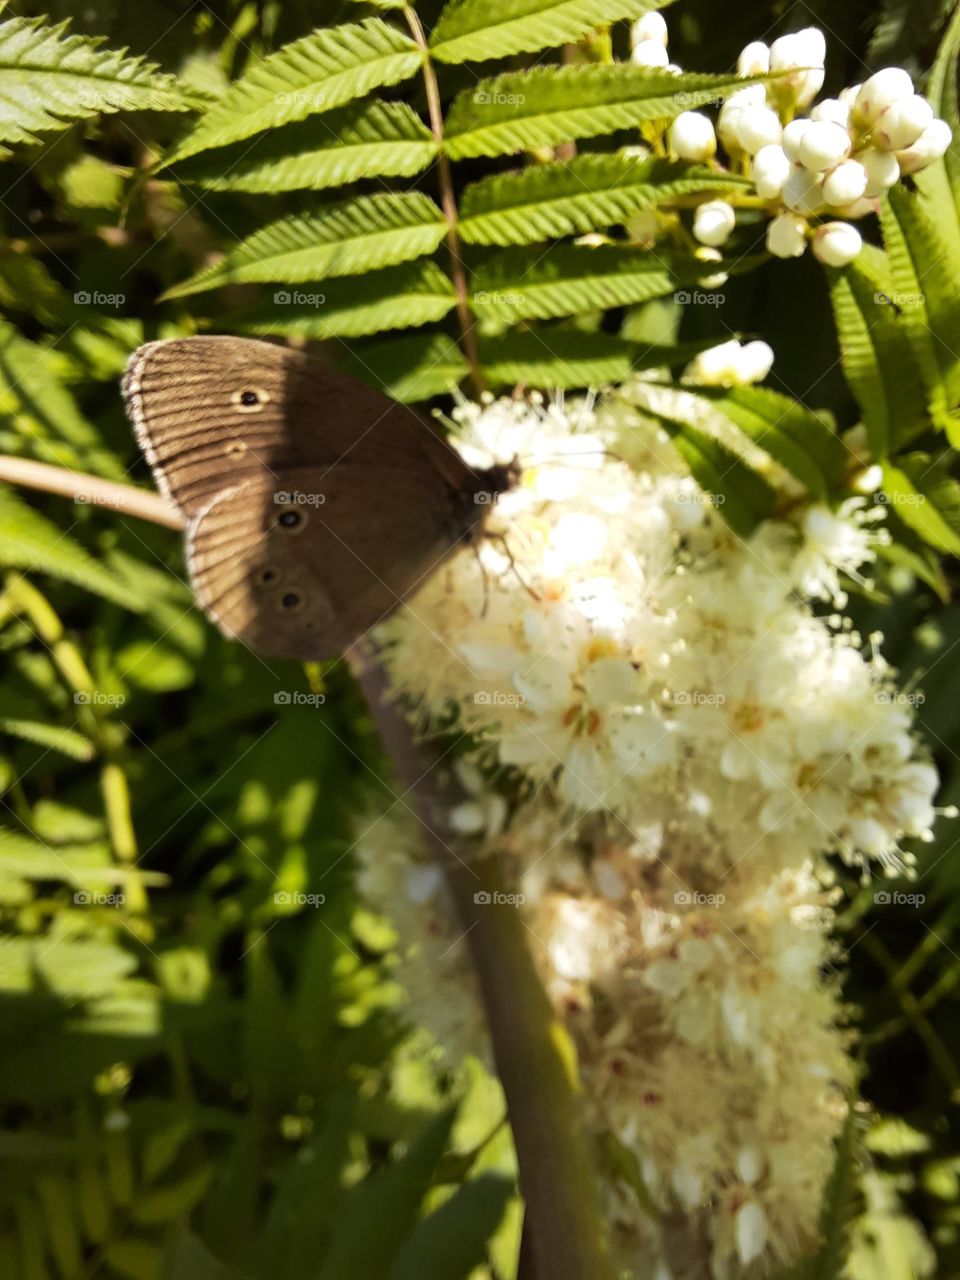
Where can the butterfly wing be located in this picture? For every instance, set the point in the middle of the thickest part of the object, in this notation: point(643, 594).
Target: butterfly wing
point(315, 505)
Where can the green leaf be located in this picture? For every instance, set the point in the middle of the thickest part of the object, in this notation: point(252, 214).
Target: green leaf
point(568, 280)
point(926, 499)
point(410, 369)
point(30, 542)
point(396, 298)
point(742, 495)
point(545, 106)
point(316, 73)
point(391, 1199)
point(363, 140)
point(351, 236)
point(878, 362)
point(51, 736)
point(940, 182)
point(44, 411)
point(793, 435)
point(49, 78)
point(588, 193)
point(925, 298)
point(453, 1240)
point(474, 30)
point(556, 357)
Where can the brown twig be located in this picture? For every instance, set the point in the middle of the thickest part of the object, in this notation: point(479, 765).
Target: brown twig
point(448, 202)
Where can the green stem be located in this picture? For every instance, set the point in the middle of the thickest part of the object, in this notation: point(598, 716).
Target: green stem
point(535, 1058)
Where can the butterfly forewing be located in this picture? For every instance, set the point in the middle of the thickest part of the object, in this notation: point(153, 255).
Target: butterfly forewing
point(315, 505)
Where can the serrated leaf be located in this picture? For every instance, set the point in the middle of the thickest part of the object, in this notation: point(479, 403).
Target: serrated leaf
point(350, 236)
point(940, 182)
point(566, 281)
point(926, 499)
point(588, 193)
point(320, 71)
point(474, 30)
point(31, 542)
point(67, 741)
point(793, 435)
point(558, 357)
point(410, 369)
point(44, 410)
point(545, 106)
point(49, 78)
point(878, 362)
point(926, 301)
point(743, 496)
point(396, 298)
point(363, 140)
point(70, 968)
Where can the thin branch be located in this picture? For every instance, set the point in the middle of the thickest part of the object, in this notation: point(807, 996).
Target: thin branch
point(448, 201)
point(90, 490)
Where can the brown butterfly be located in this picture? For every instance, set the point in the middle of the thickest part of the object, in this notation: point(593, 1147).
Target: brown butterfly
point(314, 505)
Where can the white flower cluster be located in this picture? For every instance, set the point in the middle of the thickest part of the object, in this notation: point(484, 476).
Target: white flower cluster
point(687, 740)
point(835, 162)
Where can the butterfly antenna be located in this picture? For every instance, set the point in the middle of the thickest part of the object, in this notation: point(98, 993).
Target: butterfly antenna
point(501, 539)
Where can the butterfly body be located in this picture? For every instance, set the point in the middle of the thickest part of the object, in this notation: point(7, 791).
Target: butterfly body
point(314, 505)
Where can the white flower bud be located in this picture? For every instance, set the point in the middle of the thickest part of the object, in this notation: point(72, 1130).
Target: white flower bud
point(771, 169)
point(750, 1225)
point(754, 95)
point(786, 236)
point(756, 361)
point(651, 26)
point(930, 146)
point(754, 60)
point(692, 136)
point(804, 53)
point(903, 123)
point(756, 128)
point(803, 192)
point(881, 91)
point(824, 145)
point(716, 367)
point(834, 110)
point(882, 168)
point(858, 208)
point(844, 184)
point(849, 96)
point(793, 136)
point(836, 244)
point(650, 53)
point(713, 222)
